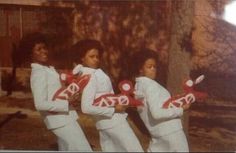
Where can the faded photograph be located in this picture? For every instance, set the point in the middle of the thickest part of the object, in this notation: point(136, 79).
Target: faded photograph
point(118, 76)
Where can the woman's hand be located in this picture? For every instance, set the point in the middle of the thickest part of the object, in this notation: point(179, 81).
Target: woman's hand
point(74, 100)
point(186, 106)
point(120, 108)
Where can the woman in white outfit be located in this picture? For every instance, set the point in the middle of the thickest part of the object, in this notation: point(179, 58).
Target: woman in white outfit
point(164, 125)
point(58, 115)
point(115, 133)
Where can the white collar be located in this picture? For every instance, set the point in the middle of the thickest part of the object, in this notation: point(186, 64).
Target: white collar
point(88, 70)
point(36, 65)
point(142, 78)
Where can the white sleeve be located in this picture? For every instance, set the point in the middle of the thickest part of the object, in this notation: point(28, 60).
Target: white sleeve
point(87, 100)
point(40, 94)
point(155, 99)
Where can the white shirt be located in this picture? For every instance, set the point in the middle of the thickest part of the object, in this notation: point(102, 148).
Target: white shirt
point(44, 83)
point(98, 85)
point(159, 121)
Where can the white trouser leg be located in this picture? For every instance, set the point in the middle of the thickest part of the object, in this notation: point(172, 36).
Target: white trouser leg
point(180, 144)
point(73, 137)
point(120, 139)
point(61, 144)
point(174, 142)
point(106, 143)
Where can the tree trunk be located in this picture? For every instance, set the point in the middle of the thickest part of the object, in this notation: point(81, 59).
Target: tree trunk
point(182, 12)
point(0, 82)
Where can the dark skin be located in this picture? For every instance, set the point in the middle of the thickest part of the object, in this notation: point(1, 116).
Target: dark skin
point(40, 56)
point(92, 59)
point(74, 100)
point(149, 69)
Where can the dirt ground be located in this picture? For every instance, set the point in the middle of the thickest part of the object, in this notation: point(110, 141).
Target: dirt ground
point(212, 127)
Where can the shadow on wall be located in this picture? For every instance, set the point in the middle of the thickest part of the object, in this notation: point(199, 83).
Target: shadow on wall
point(21, 83)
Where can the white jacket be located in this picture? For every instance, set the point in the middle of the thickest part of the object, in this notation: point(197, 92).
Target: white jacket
point(99, 84)
point(158, 121)
point(44, 83)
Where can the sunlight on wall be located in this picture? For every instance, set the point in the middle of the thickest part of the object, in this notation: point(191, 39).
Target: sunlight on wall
point(230, 13)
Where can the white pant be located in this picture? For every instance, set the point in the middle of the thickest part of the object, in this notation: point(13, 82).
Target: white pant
point(119, 139)
point(174, 142)
point(72, 138)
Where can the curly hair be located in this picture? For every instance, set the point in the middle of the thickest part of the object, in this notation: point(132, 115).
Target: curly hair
point(80, 49)
point(139, 58)
point(27, 44)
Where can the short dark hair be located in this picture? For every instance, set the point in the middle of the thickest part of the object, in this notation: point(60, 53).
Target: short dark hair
point(139, 58)
point(80, 48)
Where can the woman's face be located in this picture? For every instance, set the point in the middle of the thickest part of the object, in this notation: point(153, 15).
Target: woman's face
point(91, 58)
point(149, 68)
point(40, 54)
